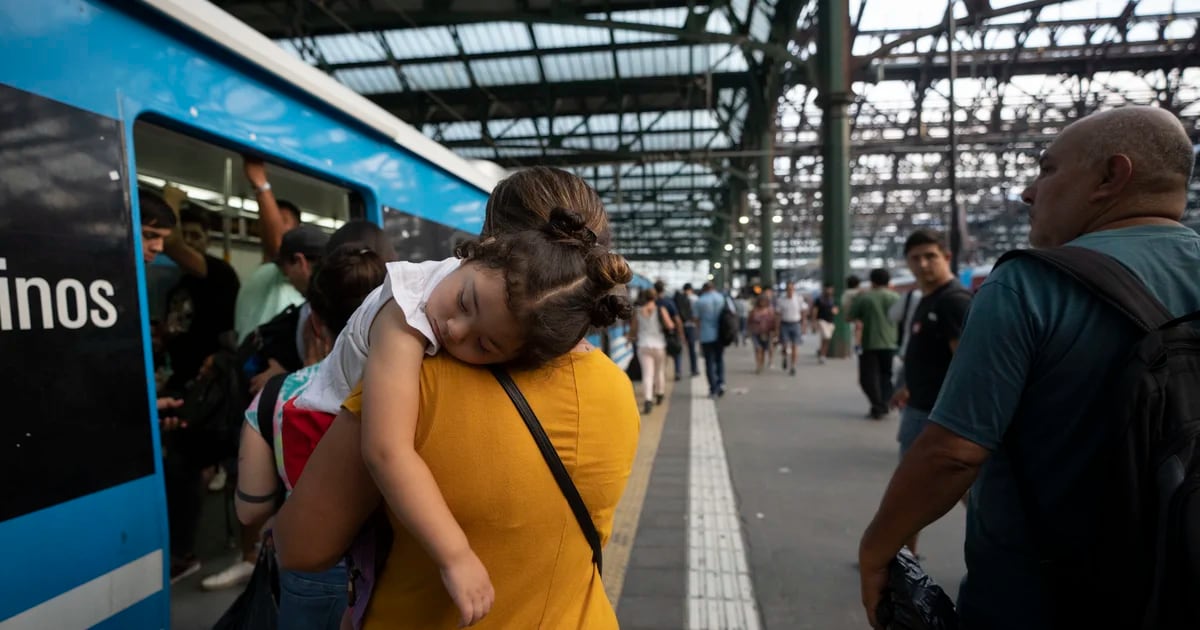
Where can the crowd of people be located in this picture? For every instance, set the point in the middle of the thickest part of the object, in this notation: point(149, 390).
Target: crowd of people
point(424, 506)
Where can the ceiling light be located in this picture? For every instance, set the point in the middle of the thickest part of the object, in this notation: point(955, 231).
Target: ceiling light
point(743, 219)
point(777, 219)
point(728, 247)
point(716, 265)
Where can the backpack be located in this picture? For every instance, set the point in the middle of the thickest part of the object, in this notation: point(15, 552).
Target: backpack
point(214, 407)
point(1146, 572)
point(684, 306)
point(275, 339)
point(729, 325)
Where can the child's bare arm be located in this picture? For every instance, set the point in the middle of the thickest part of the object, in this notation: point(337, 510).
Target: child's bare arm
point(391, 391)
point(391, 394)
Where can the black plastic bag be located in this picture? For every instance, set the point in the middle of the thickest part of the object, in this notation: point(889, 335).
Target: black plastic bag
point(635, 369)
point(912, 600)
point(257, 608)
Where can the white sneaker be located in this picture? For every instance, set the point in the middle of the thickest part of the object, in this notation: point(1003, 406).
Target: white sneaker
point(217, 483)
point(236, 574)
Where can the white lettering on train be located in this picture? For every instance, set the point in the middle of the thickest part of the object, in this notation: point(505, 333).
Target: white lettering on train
point(69, 303)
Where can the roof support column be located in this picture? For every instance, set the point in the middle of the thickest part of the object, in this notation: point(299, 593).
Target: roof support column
point(766, 197)
point(833, 48)
point(737, 193)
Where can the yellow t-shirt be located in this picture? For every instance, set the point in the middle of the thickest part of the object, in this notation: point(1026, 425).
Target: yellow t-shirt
point(502, 493)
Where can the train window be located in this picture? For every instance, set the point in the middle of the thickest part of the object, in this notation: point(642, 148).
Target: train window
point(418, 239)
point(213, 178)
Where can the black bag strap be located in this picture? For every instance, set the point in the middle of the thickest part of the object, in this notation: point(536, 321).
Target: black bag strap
point(556, 466)
point(266, 409)
point(901, 329)
point(1107, 279)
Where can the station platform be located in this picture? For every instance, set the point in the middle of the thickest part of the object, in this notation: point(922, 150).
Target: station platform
point(744, 512)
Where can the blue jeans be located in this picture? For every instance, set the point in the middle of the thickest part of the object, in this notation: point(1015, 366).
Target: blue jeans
point(312, 601)
point(689, 332)
point(714, 366)
point(912, 422)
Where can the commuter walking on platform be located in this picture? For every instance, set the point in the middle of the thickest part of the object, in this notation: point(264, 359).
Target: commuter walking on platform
point(792, 309)
point(824, 312)
point(931, 337)
point(878, 342)
point(685, 302)
point(853, 290)
point(1069, 388)
point(674, 350)
point(762, 330)
point(708, 311)
point(648, 330)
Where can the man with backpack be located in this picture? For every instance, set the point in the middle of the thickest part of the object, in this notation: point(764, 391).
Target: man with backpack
point(1072, 402)
point(718, 329)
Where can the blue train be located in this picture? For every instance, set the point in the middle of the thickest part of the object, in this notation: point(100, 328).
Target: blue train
point(96, 97)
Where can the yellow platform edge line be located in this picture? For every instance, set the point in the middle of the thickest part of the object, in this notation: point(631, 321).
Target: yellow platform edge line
point(629, 510)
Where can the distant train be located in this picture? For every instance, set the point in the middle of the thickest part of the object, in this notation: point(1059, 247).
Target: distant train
point(970, 277)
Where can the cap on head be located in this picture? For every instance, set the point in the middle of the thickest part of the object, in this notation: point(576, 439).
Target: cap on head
point(306, 240)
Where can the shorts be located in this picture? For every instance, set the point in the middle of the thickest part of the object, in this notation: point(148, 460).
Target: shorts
point(763, 341)
point(789, 332)
point(826, 329)
point(912, 422)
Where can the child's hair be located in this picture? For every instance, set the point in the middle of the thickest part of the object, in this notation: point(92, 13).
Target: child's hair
point(559, 283)
point(525, 199)
point(340, 282)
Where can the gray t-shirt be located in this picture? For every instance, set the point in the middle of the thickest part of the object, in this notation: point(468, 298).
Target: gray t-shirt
point(1036, 350)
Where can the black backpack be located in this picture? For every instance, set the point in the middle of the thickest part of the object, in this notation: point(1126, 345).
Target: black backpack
point(214, 406)
point(275, 339)
point(729, 325)
point(684, 306)
point(1145, 572)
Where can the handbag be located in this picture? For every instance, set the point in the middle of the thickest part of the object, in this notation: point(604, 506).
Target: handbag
point(257, 607)
point(674, 346)
point(582, 516)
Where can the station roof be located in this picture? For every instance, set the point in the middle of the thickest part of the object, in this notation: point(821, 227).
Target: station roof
point(662, 105)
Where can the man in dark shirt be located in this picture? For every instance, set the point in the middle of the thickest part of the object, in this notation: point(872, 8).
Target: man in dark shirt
point(684, 301)
point(660, 289)
point(200, 307)
point(933, 335)
point(824, 311)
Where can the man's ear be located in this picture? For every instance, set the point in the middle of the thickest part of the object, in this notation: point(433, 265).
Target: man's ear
point(1115, 177)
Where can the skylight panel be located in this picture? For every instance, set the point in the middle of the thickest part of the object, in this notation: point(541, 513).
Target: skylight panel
point(760, 25)
point(579, 67)
point(673, 17)
point(349, 48)
point(718, 22)
point(741, 10)
point(375, 80)
point(448, 75)
point(418, 43)
point(488, 37)
point(566, 36)
point(655, 62)
point(458, 131)
point(506, 71)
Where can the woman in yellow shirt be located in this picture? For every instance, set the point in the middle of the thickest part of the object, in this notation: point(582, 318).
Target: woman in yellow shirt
point(496, 484)
point(489, 469)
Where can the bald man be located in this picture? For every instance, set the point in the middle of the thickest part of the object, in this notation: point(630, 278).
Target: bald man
point(1034, 352)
